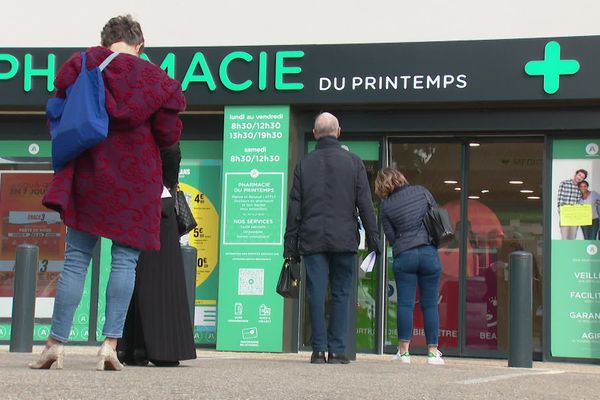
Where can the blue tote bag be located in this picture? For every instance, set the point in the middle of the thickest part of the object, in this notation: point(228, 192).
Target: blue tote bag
point(79, 121)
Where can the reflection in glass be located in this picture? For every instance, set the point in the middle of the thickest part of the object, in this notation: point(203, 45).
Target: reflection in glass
point(500, 222)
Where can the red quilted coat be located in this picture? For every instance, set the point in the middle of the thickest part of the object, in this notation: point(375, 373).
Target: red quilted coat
point(113, 190)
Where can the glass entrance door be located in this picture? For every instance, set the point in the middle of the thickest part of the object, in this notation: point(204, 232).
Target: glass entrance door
point(497, 184)
point(437, 166)
point(505, 215)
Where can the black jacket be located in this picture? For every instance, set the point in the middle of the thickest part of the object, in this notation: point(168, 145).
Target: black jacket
point(402, 215)
point(171, 158)
point(329, 185)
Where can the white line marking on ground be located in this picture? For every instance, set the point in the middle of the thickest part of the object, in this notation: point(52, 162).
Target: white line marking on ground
point(509, 376)
point(220, 357)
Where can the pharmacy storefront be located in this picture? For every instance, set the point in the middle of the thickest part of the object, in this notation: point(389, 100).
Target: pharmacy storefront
point(492, 128)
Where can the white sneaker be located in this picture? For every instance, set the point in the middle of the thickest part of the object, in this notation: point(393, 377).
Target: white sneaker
point(404, 358)
point(435, 358)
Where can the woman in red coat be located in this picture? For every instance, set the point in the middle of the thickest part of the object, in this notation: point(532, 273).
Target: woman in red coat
point(113, 190)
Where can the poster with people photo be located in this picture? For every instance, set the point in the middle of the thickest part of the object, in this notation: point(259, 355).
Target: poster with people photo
point(575, 259)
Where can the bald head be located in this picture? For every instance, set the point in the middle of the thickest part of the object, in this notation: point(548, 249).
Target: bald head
point(326, 125)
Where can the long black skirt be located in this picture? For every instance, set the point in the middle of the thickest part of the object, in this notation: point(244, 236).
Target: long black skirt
point(158, 319)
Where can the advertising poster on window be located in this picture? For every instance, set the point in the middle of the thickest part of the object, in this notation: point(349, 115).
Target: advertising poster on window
point(575, 263)
point(255, 162)
point(200, 180)
point(24, 220)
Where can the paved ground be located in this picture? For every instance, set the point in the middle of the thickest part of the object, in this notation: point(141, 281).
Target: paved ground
point(219, 375)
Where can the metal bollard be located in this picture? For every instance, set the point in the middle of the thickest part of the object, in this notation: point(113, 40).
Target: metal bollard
point(520, 297)
point(190, 255)
point(23, 306)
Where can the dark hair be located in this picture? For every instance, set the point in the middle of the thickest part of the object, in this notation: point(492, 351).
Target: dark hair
point(582, 182)
point(122, 29)
point(581, 170)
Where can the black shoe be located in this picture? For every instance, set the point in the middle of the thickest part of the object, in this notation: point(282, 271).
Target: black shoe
point(334, 358)
point(318, 357)
point(160, 363)
point(124, 357)
point(137, 359)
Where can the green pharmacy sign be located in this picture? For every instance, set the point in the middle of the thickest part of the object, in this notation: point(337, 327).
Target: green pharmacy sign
point(255, 162)
point(551, 67)
point(279, 70)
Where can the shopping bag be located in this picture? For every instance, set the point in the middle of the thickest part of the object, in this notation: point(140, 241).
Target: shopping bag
point(79, 121)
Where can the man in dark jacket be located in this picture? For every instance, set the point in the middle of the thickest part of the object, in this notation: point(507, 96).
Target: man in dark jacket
point(329, 193)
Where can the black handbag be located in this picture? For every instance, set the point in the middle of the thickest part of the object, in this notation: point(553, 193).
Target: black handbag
point(183, 214)
point(288, 284)
point(438, 224)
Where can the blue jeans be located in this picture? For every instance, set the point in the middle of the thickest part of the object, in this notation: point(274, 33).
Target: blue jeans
point(418, 266)
point(78, 254)
point(323, 269)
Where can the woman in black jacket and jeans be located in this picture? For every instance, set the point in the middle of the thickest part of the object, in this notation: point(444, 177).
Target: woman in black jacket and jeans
point(416, 260)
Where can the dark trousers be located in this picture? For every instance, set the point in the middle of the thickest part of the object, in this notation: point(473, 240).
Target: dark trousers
point(325, 269)
point(590, 232)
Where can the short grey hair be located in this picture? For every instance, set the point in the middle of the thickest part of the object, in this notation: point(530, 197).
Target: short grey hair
point(122, 29)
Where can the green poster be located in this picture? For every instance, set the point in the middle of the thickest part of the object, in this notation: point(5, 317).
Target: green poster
point(575, 299)
point(255, 161)
point(105, 260)
point(576, 150)
point(367, 150)
point(200, 179)
point(81, 323)
point(575, 259)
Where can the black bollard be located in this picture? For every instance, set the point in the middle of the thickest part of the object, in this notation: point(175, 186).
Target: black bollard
point(23, 307)
point(190, 255)
point(520, 297)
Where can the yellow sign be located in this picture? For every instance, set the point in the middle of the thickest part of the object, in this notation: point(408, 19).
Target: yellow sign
point(576, 214)
point(205, 238)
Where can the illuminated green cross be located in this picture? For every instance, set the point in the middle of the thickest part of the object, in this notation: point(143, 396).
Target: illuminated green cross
point(552, 67)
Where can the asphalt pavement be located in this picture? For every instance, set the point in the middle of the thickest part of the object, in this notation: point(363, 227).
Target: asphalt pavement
point(228, 375)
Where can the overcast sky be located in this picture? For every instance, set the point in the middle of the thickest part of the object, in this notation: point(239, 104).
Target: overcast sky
point(70, 23)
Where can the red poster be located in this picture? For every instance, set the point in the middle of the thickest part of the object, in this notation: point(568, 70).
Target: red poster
point(24, 220)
